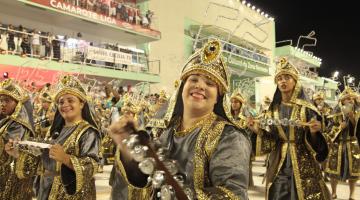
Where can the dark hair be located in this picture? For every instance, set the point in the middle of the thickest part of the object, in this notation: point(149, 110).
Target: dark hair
point(179, 106)
point(276, 100)
point(59, 121)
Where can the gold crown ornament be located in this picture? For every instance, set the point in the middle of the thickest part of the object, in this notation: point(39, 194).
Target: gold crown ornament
point(70, 85)
point(347, 92)
point(10, 88)
point(318, 95)
point(238, 96)
point(285, 67)
point(209, 62)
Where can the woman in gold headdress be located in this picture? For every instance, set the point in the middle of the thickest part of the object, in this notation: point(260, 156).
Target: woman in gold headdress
point(237, 103)
point(323, 108)
point(294, 148)
point(15, 123)
point(197, 133)
point(344, 158)
point(68, 168)
point(45, 115)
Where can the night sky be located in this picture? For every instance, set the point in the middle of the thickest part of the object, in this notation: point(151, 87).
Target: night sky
point(337, 27)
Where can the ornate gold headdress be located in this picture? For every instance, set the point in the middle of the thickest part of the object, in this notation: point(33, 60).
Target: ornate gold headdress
point(347, 92)
point(129, 104)
point(10, 88)
point(162, 95)
point(237, 95)
point(285, 67)
point(45, 96)
point(267, 100)
point(208, 61)
point(318, 95)
point(69, 84)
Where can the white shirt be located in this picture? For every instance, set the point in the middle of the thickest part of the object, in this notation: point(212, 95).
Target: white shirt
point(36, 39)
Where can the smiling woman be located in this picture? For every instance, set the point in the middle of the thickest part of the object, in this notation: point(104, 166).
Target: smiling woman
point(198, 135)
point(69, 165)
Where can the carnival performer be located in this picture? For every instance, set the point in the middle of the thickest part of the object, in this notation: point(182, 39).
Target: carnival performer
point(198, 134)
point(323, 108)
point(343, 163)
point(237, 102)
point(68, 167)
point(295, 148)
point(44, 115)
point(117, 182)
point(15, 123)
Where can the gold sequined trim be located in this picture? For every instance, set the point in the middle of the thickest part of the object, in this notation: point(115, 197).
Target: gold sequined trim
point(79, 176)
point(134, 193)
point(197, 124)
point(294, 159)
point(200, 156)
point(2, 146)
point(228, 193)
point(307, 144)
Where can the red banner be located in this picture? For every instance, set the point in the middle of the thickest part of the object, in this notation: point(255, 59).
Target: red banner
point(93, 16)
point(39, 76)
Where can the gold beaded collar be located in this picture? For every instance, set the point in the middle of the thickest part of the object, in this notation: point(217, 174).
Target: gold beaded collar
point(209, 117)
point(73, 124)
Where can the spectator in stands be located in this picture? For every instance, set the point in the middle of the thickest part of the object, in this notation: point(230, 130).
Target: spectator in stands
point(90, 4)
point(47, 44)
point(56, 48)
point(105, 4)
point(145, 21)
point(124, 13)
point(130, 15)
point(2, 38)
point(112, 10)
point(118, 10)
point(11, 38)
point(138, 15)
point(83, 4)
point(149, 15)
point(36, 43)
point(97, 7)
point(25, 44)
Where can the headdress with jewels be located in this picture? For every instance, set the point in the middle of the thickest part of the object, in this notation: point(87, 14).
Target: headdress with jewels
point(129, 104)
point(267, 100)
point(46, 96)
point(318, 95)
point(10, 88)
point(70, 85)
point(208, 60)
point(347, 92)
point(285, 67)
point(237, 95)
point(162, 95)
point(298, 96)
point(23, 110)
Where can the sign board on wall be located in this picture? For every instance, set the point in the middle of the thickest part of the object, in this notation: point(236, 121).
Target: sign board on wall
point(93, 16)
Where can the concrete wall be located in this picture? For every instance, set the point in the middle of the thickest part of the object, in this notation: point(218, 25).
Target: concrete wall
point(173, 48)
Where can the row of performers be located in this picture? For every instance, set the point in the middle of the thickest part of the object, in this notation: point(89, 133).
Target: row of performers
point(196, 130)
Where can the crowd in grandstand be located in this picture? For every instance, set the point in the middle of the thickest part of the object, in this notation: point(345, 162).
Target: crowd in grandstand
point(119, 9)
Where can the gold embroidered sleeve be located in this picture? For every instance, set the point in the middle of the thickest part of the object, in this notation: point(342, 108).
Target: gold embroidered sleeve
point(84, 170)
point(123, 173)
point(265, 143)
point(334, 129)
point(26, 165)
point(218, 193)
point(4, 157)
